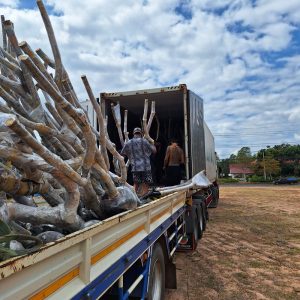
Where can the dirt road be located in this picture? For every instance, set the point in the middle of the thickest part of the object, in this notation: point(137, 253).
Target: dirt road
point(250, 250)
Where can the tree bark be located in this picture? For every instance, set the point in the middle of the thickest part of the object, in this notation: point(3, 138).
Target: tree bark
point(126, 133)
point(27, 50)
point(76, 114)
point(42, 151)
point(16, 186)
point(99, 115)
point(59, 70)
point(14, 68)
point(47, 60)
point(152, 114)
point(146, 132)
point(4, 40)
point(117, 115)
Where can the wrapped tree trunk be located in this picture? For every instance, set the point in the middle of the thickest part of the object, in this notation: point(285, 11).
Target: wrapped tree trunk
point(100, 118)
point(145, 124)
point(152, 114)
point(116, 112)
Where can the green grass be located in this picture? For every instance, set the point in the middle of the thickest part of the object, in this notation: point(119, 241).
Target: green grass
point(227, 180)
point(242, 277)
point(257, 264)
point(293, 251)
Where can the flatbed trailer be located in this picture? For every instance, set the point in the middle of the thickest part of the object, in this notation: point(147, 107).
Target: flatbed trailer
point(129, 254)
point(112, 258)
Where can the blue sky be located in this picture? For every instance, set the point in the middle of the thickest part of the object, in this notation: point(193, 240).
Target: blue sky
point(28, 4)
point(241, 56)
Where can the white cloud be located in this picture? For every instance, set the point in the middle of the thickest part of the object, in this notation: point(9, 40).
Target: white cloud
point(227, 52)
point(9, 3)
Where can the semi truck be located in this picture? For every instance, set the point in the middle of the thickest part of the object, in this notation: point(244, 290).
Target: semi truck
point(130, 254)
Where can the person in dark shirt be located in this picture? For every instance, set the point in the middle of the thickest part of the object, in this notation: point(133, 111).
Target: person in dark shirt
point(138, 151)
point(174, 160)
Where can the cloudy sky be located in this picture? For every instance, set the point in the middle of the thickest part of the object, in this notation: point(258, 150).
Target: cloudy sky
point(241, 56)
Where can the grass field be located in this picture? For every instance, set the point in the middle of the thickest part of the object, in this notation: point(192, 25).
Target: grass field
point(250, 250)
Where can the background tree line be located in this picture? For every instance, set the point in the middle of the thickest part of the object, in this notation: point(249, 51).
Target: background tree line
point(279, 160)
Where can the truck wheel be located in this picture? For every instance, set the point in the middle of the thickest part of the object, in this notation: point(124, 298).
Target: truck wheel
point(156, 289)
point(215, 196)
point(198, 202)
point(203, 207)
point(195, 234)
point(200, 222)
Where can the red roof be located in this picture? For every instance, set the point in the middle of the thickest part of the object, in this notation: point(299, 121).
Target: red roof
point(239, 169)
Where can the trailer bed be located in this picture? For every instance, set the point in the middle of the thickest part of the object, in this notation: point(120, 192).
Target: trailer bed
point(61, 270)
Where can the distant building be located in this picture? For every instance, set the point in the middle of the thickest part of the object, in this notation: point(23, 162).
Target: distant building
point(239, 171)
point(88, 107)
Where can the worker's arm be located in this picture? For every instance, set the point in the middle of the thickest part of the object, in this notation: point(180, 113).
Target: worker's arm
point(153, 149)
point(150, 146)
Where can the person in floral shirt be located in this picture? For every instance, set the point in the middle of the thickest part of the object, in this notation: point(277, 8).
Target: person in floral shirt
point(138, 151)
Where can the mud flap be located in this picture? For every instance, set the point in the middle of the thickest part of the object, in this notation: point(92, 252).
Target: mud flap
point(189, 241)
point(171, 282)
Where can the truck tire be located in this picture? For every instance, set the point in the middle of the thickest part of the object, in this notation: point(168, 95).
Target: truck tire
point(205, 215)
point(203, 209)
point(198, 203)
point(195, 233)
point(156, 289)
point(215, 196)
point(200, 223)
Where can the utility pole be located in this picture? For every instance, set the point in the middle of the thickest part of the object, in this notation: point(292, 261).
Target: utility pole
point(264, 163)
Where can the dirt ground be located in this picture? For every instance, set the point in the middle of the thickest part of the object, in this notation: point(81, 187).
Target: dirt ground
point(250, 249)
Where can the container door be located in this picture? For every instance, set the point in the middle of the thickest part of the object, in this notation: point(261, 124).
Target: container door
point(196, 133)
